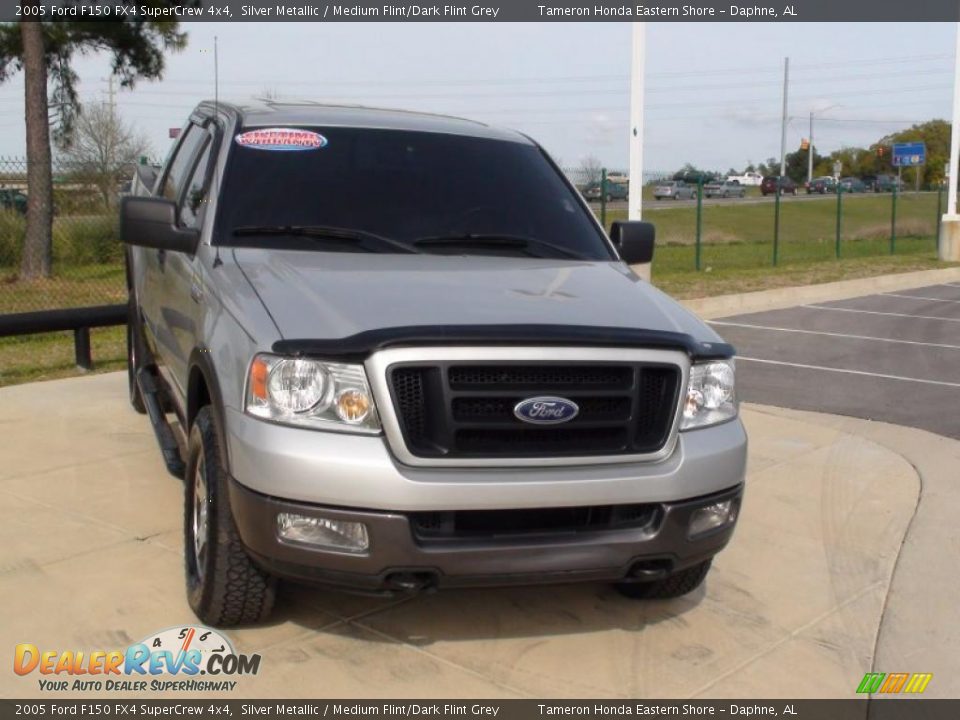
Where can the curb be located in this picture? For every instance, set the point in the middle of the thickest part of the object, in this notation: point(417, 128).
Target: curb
point(920, 626)
point(776, 299)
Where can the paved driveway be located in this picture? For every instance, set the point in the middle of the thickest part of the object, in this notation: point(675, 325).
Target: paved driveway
point(91, 559)
point(893, 357)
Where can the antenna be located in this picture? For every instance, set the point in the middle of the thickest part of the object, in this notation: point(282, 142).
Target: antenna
point(216, 77)
point(217, 262)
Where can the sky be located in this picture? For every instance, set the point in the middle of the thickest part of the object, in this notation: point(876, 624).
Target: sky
point(713, 90)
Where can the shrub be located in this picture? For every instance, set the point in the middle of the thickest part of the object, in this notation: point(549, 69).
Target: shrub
point(13, 227)
point(94, 239)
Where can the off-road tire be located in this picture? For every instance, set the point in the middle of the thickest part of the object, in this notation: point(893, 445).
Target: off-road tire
point(672, 586)
point(135, 354)
point(231, 590)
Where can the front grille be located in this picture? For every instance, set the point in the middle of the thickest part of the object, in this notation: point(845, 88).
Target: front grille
point(492, 524)
point(461, 410)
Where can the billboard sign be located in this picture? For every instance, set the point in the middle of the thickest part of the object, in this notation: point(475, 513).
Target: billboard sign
point(909, 154)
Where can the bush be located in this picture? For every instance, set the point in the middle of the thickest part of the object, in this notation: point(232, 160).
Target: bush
point(13, 227)
point(86, 240)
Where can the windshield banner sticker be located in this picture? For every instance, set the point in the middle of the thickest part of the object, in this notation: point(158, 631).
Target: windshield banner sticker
point(283, 139)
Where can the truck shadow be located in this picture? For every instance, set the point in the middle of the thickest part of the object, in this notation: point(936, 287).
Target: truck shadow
point(487, 613)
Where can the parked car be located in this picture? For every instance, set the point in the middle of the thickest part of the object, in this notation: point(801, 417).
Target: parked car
point(11, 199)
point(674, 190)
point(852, 185)
point(614, 191)
point(769, 185)
point(724, 189)
point(823, 185)
point(750, 179)
point(886, 183)
point(434, 428)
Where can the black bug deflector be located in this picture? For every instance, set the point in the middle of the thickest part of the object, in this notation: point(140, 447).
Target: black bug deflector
point(365, 343)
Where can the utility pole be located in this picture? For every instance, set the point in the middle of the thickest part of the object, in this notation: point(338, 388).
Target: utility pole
point(783, 124)
point(111, 96)
point(810, 153)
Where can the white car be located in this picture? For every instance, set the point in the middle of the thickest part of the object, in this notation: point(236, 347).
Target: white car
point(750, 179)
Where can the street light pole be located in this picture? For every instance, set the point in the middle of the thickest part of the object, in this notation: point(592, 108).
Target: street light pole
point(810, 153)
point(783, 124)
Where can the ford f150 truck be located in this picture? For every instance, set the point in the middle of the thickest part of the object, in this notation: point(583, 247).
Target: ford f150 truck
point(391, 351)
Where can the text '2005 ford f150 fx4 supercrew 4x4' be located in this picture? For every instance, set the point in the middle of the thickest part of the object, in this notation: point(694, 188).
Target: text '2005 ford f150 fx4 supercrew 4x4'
point(402, 354)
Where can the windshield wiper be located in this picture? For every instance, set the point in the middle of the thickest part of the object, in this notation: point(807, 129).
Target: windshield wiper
point(323, 232)
point(494, 240)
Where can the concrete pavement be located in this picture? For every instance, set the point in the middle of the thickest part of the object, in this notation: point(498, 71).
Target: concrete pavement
point(91, 559)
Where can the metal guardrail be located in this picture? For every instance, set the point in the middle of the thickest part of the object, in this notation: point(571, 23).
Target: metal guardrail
point(80, 320)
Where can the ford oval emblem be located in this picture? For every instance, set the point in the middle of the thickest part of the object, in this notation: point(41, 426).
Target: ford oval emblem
point(546, 410)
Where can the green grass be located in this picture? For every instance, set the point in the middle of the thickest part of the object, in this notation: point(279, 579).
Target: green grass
point(50, 356)
point(671, 271)
point(69, 287)
point(801, 221)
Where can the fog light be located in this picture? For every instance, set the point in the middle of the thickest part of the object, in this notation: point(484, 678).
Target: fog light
point(323, 532)
point(712, 517)
point(353, 406)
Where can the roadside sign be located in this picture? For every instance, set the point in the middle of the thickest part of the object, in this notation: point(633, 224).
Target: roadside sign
point(909, 154)
point(837, 167)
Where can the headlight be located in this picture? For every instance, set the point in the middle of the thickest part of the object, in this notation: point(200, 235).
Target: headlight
point(711, 398)
point(311, 393)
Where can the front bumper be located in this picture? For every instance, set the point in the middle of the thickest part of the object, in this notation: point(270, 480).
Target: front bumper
point(398, 560)
point(359, 471)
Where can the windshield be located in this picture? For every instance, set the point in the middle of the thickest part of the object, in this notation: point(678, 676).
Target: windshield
point(403, 187)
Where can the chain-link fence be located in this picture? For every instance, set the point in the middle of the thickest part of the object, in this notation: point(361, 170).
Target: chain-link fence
point(87, 255)
point(706, 226)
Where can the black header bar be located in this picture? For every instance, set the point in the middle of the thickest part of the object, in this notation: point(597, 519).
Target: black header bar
point(491, 11)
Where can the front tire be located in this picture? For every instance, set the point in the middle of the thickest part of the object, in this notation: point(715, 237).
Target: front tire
point(672, 586)
point(224, 587)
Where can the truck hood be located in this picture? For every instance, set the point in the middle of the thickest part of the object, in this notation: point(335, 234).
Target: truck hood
point(313, 295)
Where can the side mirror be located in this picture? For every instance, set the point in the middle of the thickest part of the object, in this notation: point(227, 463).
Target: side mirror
point(634, 241)
point(152, 222)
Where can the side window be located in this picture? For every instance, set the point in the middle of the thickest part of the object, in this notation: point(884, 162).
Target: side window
point(182, 162)
point(195, 197)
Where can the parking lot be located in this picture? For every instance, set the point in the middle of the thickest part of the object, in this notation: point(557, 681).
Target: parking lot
point(893, 357)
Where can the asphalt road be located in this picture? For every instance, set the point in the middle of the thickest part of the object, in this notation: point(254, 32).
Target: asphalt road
point(893, 357)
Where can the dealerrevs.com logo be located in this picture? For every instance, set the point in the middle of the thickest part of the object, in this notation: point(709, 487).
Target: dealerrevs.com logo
point(183, 658)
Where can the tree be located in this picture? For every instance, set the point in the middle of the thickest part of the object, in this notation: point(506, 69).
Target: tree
point(936, 135)
point(102, 149)
point(692, 174)
point(44, 51)
point(591, 170)
point(797, 164)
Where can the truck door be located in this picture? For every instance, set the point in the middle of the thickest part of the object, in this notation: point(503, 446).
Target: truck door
point(162, 320)
point(182, 291)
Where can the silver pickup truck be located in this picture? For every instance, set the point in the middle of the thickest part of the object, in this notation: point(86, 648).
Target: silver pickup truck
point(391, 351)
